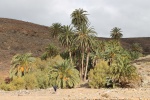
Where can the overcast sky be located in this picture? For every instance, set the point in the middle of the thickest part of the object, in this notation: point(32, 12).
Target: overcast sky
point(132, 16)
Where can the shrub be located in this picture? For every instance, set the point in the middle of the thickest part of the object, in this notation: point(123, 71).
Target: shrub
point(40, 64)
point(135, 55)
point(18, 83)
point(123, 73)
point(7, 87)
point(42, 79)
point(30, 81)
point(97, 76)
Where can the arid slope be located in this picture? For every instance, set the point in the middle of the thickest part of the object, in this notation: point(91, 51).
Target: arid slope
point(22, 37)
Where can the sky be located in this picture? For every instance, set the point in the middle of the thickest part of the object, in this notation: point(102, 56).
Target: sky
point(132, 16)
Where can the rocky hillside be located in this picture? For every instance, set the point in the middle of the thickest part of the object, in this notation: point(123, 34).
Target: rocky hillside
point(21, 37)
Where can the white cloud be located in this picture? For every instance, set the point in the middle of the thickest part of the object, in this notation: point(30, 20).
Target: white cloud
point(132, 16)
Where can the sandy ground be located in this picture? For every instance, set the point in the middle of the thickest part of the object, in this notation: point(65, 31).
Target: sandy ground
point(78, 93)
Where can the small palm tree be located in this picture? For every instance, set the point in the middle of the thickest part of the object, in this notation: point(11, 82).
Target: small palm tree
point(51, 51)
point(21, 64)
point(123, 72)
point(116, 33)
point(79, 18)
point(64, 75)
point(56, 29)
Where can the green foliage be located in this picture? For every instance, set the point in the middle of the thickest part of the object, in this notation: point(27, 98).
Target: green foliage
point(40, 64)
point(42, 79)
point(135, 55)
point(79, 18)
point(21, 64)
point(136, 47)
point(116, 33)
point(97, 76)
point(136, 51)
point(50, 51)
point(65, 55)
point(18, 83)
point(56, 29)
point(64, 75)
point(7, 87)
point(123, 72)
point(30, 81)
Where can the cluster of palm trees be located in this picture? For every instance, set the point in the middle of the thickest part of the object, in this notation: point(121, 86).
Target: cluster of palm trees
point(80, 38)
point(82, 49)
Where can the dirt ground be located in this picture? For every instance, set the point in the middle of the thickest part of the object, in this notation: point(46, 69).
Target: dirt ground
point(78, 93)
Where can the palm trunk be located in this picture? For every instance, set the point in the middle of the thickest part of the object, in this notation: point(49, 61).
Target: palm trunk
point(82, 65)
point(80, 72)
point(70, 56)
point(87, 62)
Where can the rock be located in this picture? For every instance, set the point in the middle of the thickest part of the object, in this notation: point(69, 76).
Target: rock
point(105, 95)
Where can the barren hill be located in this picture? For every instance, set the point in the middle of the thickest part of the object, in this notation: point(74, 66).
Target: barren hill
point(21, 37)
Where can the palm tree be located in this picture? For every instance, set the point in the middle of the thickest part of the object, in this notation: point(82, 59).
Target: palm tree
point(64, 75)
point(56, 29)
point(116, 33)
point(84, 40)
point(66, 38)
point(79, 18)
point(21, 64)
point(51, 51)
point(123, 72)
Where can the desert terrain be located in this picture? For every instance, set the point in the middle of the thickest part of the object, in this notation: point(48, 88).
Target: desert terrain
point(22, 37)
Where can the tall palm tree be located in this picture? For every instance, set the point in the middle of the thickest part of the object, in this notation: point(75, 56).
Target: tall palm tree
point(66, 38)
point(84, 40)
point(79, 18)
point(20, 64)
point(116, 33)
point(56, 29)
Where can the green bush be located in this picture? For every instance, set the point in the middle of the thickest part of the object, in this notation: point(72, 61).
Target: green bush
point(42, 79)
point(135, 55)
point(18, 83)
point(7, 87)
point(40, 64)
point(30, 81)
point(97, 76)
